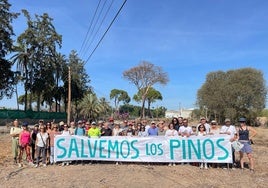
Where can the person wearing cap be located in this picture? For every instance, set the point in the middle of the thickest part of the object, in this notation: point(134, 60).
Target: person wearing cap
point(94, 131)
point(24, 144)
point(214, 129)
point(14, 133)
point(80, 130)
point(230, 130)
point(203, 121)
point(245, 134)
point(153, 130)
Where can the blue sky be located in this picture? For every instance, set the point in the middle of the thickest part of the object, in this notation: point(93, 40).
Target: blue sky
point(188, 39)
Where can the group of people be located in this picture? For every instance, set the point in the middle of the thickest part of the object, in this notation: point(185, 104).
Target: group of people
point(38, 143)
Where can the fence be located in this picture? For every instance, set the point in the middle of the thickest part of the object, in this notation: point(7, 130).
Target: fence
point(31, 116)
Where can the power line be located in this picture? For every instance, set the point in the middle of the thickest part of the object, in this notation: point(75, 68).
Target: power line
point(90, 25)
point(106, 31)
point(94, 36)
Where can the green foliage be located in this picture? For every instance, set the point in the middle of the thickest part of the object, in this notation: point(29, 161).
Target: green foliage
point(233, 94)
point(264, 113)
point(119, 96)
point(6, 32)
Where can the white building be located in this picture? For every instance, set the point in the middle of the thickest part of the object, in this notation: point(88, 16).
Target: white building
point(185, 113)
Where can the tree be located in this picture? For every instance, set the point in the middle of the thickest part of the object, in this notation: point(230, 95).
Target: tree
point(35, 58)
point(233, 94)
point(151, 97)
point(6, 32)
point(119, 96)
point(144, 76)
point(90, 107)
point(79, 79)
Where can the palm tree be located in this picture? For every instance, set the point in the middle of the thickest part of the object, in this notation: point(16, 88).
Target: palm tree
point(90, 106)
point(105, 105)
point(21, 58)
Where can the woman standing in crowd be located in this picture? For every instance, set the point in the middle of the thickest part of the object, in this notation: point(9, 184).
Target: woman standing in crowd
point(41, 146)
point(52, 135)
point(245, 134)
point(24, 144)
point(14, 133)
point(214, 129)
point(142, 132)
point(65, 132)
point(202, 132)
point(116, 129)
point(33, 140)
point(171, 132)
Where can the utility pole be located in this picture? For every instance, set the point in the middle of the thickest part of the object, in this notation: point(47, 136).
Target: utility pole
point(69, 96)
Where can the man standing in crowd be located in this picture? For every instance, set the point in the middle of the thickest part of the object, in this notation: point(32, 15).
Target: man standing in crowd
point(80, 131)
point(153, 130)
point(14, 133)
point(94, 132)
point(229, 130)
point(106, 131)
point(161, 128)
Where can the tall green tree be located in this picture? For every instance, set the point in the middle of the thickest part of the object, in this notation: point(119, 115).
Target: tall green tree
point(35, 57)
point(119, 96)
point(234, 93)
point(79, 79)
point(6, 32)
point(144, 76)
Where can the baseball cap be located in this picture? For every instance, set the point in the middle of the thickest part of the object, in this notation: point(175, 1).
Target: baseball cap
point(227, 120)
point(93, 123)
point(242, 119)
point(25, 124)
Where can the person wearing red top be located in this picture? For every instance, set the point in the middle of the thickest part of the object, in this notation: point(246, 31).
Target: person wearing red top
point(24, 143)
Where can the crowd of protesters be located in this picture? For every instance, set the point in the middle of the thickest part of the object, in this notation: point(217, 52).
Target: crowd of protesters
point(38, 142)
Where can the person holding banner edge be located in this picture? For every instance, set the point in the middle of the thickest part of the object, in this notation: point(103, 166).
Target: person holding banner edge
point(245, 134)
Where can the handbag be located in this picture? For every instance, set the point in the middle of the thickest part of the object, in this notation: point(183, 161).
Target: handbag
point(237, 145)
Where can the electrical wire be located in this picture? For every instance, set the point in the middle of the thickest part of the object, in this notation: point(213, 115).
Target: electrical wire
point(106, 31)
point(89, 28)
point(94, 36)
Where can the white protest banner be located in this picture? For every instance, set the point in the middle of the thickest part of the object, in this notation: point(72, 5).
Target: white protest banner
point(214, 149)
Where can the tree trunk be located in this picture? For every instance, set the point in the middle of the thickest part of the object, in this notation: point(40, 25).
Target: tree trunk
point(143, 107)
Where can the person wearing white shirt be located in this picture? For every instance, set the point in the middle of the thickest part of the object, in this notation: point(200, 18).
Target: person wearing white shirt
point(185, 130)
point(230, 130)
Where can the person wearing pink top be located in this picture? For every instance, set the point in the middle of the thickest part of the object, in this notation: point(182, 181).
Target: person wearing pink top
point(24, 144)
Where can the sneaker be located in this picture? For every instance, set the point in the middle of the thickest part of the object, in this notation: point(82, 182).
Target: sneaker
point(201, 166)
point(20, 165)
point(67, 164)
point(116, 163)
point(206, 167)
point(174, 164)
point(36, 166)
point(44, 165)
point(62, 164)
point(169, 164)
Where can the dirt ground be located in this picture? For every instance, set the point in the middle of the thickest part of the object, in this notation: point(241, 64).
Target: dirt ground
point(133, 174)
